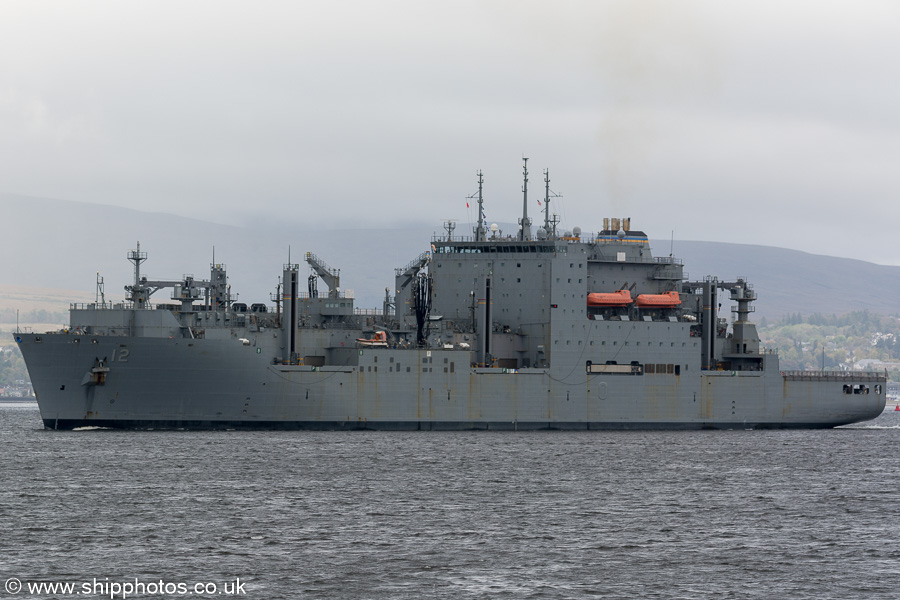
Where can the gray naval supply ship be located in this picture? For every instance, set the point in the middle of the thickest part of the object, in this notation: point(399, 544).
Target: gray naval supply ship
point(543, 329)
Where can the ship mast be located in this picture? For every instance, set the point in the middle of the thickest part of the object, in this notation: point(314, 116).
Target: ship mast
point(140, 294)
point(100, 298)
point(525, 222)
point(449, 225)
point(547, 221)
point(137, 257)
point(479, 230)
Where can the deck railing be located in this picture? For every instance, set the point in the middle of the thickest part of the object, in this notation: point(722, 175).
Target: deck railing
point(835, 375)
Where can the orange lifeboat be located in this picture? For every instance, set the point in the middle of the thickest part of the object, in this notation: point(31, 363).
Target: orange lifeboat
point(666, 300)
point(619, 298)
point(379, 340)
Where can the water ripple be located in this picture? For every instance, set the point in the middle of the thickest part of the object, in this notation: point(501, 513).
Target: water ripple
point(799, 514)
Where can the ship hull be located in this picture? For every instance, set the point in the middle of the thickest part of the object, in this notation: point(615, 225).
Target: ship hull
point(224, 384)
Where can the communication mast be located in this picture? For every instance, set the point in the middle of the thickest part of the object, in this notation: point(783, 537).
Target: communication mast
point(525, 222)
point(480, 231)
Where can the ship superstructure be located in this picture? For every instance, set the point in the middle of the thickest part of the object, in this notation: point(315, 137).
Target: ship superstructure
point(540, 329)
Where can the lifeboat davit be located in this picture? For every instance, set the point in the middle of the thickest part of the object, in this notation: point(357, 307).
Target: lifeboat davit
point(619, 298)
point(666, 300)
point(379, 340)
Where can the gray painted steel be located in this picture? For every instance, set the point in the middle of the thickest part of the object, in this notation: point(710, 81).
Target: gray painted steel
point(508, 342)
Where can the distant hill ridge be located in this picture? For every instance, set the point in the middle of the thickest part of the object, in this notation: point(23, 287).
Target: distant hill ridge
point(62, 244)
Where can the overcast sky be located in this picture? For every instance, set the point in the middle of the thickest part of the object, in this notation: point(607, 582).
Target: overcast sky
point(773, 123)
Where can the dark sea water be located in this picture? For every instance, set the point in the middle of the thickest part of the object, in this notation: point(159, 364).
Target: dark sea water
point(728, 514)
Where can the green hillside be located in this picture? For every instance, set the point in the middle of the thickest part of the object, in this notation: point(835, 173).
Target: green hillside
point(855, 339)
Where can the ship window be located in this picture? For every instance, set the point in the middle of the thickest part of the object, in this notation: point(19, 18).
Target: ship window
point(518, 280)
point(392, 359)
point(407, 369)
point(678, 369)
point(451, 367)
point(518, 264)
point(445, 369)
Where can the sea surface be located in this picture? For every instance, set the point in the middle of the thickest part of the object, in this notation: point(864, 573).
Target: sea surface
point(711, 514)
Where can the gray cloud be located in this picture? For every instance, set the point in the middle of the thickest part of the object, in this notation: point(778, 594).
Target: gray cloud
point(754, 122)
